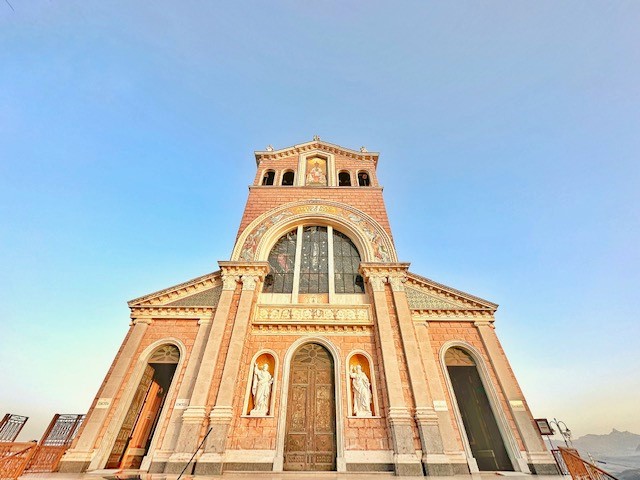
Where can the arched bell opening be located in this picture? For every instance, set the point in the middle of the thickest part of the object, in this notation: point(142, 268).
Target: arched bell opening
point(481, 429)
point(139, 426)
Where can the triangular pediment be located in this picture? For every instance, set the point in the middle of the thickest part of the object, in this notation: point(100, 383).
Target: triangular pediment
point(316, 144)
point(202, 291)
point(425, 294)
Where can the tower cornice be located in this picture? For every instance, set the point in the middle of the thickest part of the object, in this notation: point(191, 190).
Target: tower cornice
point(316, 145)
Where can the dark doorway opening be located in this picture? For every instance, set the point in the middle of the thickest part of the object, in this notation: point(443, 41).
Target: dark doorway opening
point(479, 421)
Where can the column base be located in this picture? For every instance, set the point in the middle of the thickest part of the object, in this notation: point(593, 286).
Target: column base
point(73, 466)
point(370, 467)
point(210, 464)
point(544, 469)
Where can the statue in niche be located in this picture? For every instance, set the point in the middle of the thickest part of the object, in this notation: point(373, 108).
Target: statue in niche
point(361, 392)
point(261, 389)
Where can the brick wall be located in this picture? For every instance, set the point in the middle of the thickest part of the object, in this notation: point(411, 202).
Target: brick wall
point(442, 332)
point(260, 433)
point(185, 331)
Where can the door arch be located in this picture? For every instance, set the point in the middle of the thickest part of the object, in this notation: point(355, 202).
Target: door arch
point(134, 438)
point(310, 440)
point(483, 437)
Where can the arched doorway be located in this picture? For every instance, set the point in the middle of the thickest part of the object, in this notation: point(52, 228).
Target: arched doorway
point(135, 435)
point(483, 434)
point(310, 439)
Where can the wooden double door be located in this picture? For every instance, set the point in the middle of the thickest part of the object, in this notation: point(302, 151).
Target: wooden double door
point(310, 442)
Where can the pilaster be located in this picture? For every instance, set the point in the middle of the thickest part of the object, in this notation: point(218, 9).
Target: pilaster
point(210, 463)
point(438, 398)
point(539, 459)
point(79, 458)
point(433, 459)
point(405, 459)
point(163, 454)
point(194, 415)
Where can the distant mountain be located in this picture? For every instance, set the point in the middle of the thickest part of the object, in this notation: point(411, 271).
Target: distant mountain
point(615, 443)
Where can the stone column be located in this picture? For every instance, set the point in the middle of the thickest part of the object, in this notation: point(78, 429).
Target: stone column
point(434, 461)
point(164, 452)
point(438, 397)
point(539, 459)
point(405, 459)
point(194, 415)
point(221, 417)
point(79, 458)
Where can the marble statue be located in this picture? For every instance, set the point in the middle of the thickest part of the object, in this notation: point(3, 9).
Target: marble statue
point(261, 389)
point(361, 392)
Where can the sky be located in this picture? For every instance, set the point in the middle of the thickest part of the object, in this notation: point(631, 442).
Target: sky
point(509, 141)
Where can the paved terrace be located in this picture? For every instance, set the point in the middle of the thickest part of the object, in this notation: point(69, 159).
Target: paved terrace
point(134, 475)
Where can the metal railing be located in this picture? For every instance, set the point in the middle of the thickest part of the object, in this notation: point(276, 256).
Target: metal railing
point(581, 469)
point(14, 457)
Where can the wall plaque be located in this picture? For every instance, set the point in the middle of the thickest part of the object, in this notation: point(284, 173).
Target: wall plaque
point(440, 405)
point(103, 403)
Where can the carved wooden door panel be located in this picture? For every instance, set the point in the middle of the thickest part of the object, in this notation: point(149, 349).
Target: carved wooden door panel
point(310, 442)
point(130, 419)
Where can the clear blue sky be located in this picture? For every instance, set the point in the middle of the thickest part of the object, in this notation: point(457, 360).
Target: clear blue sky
point(509, 135)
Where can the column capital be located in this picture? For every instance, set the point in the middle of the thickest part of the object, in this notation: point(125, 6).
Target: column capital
point(141, 320)
point(249, 282)
point(484, 323)
point(368, 269)
point(240, 269)
point(229, 282)
point(397, 281)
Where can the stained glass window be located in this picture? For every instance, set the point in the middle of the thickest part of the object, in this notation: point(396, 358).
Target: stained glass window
point(282, 260)
point(314, 262)
point(346, 261)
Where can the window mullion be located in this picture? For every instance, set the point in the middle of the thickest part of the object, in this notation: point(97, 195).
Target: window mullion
point(332, 280)
point(296, 268)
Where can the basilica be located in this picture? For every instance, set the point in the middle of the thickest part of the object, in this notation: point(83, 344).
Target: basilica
point(312, 348)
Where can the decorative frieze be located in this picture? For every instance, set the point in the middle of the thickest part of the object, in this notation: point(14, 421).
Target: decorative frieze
point(138, 314)
point(454, 315)
point(311, 329)
point(358, 314)
point(378, 245)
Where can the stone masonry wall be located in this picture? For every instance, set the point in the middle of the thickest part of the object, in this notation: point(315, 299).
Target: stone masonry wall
point(442, 332)
point(260, 433)
point(185, 331)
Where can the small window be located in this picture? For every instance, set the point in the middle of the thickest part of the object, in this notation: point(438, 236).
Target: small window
point(268, 177)
point(287, 178)
point(344, 179)
point(364, 179)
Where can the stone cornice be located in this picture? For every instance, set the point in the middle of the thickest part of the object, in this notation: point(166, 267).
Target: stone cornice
point(247, 269)
point(387, 270)
point(430, 286)
point(315, 145)
point(189, 287)
point(483, 316)
point(165, 312)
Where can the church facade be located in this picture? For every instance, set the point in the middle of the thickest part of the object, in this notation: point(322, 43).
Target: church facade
point(312, 348)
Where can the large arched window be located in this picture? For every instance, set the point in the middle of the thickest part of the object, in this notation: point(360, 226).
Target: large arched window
point(314, 260)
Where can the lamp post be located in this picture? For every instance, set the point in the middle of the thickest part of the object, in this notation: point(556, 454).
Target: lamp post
point(564, 431)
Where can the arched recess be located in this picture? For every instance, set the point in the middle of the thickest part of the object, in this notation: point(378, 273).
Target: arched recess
point(139, 373)
point(371, 240)
point(278, 463)
point(506, 435)
point(362, 358)
point(262, 357)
